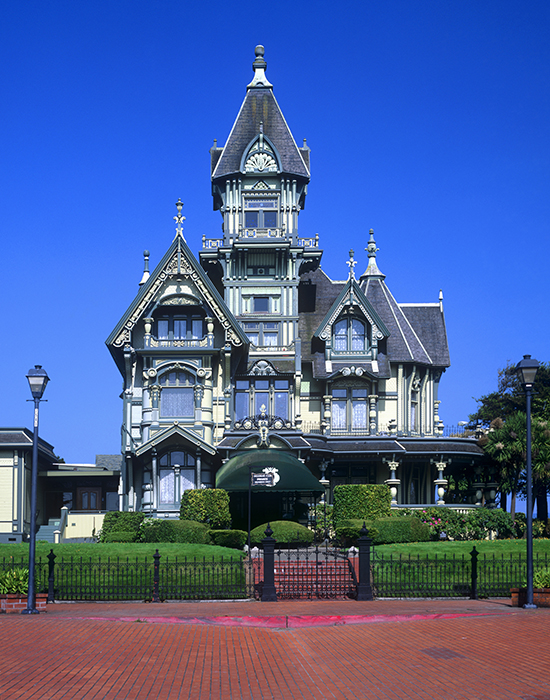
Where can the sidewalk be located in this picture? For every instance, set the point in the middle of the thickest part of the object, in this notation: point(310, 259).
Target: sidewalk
point(297, 650)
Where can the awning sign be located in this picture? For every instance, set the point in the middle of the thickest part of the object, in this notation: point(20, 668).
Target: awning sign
point(269, 477)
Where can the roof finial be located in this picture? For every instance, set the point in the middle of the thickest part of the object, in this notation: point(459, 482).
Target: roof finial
point(145, 267)
point(372, 269)
point(352, 263)
point(259, 80)
point(179, 218)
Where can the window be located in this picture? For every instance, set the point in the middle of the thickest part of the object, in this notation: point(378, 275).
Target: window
point(170, 487)
point(260, 305)
point(184, 325)
point(177, 394)
point(350, 335)
point(350, 410)
point(252, 394)
point(265, 334)
point(260, 213)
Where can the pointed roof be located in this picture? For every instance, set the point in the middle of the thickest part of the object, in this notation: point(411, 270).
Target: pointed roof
point(176, 430)
point(260, 112)
point(178, 259)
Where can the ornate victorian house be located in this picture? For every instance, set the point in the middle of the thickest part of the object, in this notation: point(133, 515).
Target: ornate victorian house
point(251, 359)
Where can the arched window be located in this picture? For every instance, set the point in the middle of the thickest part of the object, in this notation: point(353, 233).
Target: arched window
point(350, 335)
point(177, 394)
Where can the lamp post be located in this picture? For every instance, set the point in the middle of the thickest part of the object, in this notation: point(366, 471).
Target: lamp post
point(37, 381)
point(527, 370)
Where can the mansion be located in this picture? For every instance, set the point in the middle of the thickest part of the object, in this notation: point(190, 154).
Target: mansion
point(248, 358)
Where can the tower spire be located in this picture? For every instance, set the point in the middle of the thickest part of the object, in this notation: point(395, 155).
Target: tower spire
point(259, 80)
point(372, 269)
point(179, 218)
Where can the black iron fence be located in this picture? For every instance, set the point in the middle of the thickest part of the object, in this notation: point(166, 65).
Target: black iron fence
point(271, 574)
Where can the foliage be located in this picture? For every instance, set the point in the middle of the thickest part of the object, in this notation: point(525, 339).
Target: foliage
point(118, 536)
point(210, 506)
point(367, 501)
point(116, 521)
point(541, 578)
point(510, 397)
point(284, 532)
point(445, 523)
point(157, 530)
point(235, 539)
point(385, 530)
point(541, 528)
point(191, 532)
point(317, 515)
point(14, 580)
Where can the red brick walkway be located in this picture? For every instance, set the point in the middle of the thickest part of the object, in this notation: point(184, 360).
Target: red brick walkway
point(480, 650)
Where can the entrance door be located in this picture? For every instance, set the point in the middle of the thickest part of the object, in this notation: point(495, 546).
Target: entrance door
point(88, 498)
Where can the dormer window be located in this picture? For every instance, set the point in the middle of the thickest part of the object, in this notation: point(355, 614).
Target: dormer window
point(350, 335)
point(260, 213)
point(180, 325)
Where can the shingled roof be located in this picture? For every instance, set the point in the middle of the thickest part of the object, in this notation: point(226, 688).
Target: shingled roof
point(260, 113)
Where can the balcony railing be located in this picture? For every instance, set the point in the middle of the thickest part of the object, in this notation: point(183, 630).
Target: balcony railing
point(204, 343)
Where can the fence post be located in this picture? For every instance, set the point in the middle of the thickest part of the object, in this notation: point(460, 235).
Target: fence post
point(269, 594)
point(364, 588)
point(51, 567)
point(473, 591)
point(156, 577)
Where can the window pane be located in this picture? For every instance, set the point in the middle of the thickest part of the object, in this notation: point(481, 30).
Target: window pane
point(261, 304)
point(180, 328)
point(359, 393)
point(197, 328)
point(254, 338)
point(241, 384)
point(177, 402)
point(162, 329)
point(340, 393)
point(167, 491)
point(177, 458)
point(357, 335)
point(281, 384)
point(270, 338)
point(93, 500)
point(281, 404)
point(241, 405)
point(187, 479)
point(359, 414)
point(251, 219)
point(261, 384)
point(261, 399)
point(270, 219)
point(341, 335)
point(339, 414)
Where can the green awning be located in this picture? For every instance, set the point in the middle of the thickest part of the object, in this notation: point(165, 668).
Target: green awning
point(293, 474)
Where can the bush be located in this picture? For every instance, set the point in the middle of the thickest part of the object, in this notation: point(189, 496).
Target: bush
point(541, 528)
point(285, 532)
point(117, 536)
point(210, 506)
point(474, 525)
point(363, 501)
point(235, 539)
point(14, 580)
point(115, 521)
point(191, 532)
point(541, 578)
point(158, 530)
point(384, 530)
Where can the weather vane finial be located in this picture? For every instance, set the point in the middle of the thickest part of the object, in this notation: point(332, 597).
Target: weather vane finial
point(179, 218)
point(352, 263)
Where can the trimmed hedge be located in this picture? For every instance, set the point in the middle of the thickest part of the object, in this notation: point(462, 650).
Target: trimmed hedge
point(285, 532)
point(118, 536)
point(210, 506)
point(116, 521)
point(364, 501)
point(235, 539)
point(182, 531)
point(385, 530)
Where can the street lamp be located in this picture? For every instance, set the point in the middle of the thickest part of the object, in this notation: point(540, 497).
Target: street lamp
point(38, 379)
point(526, 371)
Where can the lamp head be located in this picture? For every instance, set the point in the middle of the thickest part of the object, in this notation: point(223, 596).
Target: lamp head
point(527, 370)
point(38, 379)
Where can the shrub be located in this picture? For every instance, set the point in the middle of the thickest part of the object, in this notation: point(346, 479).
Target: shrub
point(541, 528)
point(210, 506)
point(158, 530)
point(14, 580)
point(235, 539)
point(285, 532)
point(349, 531)
point(191, 532)
point(118, 536)
point(541, 578)
point(116, 521)
point(475, 525)
point(363, 501)
point(384, 530)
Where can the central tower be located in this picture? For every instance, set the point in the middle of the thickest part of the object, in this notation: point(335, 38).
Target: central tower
point(259, 185)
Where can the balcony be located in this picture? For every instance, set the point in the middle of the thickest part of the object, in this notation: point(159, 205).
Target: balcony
point(206, 343)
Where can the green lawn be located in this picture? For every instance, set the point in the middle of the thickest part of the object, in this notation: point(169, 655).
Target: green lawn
point(141, 552)
point(497, 548)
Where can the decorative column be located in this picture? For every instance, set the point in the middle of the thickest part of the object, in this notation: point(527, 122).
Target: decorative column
point(438, 423)
point(393, 482)
point(325, 423)
point(209, 331)
point(148, 323)
point(373, 414)
point(155, 480)
point(155, 397)
point(199, 393)
point(198, 463)
point(441, 483)
point(177, 484)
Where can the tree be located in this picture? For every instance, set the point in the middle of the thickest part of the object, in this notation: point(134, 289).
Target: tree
point(510, 397)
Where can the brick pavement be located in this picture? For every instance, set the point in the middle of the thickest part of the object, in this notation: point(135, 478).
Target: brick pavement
point(417, 649)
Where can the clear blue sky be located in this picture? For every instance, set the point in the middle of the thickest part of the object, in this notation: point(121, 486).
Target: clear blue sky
point(428, 121)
